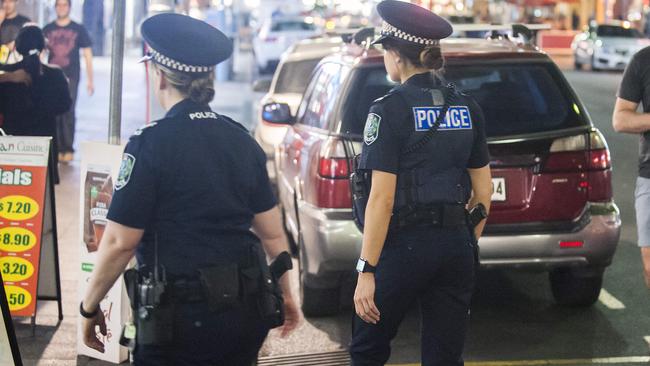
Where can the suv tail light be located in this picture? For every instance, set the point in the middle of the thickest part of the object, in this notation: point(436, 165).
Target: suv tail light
point(330, 180)
point(588, 155)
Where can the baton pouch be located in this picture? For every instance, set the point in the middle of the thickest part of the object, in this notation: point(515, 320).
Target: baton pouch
point(221, 286)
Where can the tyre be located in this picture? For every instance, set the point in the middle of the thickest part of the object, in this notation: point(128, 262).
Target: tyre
point(575, 288)
point(577, 65)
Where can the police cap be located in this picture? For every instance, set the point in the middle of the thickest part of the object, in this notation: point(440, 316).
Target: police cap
point(184, 44)
point(411, 23)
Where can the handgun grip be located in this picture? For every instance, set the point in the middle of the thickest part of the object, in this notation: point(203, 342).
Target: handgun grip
point(281, 264)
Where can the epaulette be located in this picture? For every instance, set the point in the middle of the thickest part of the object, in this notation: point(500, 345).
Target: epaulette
point(139, 131)
point(234, 123)
point(385, 97)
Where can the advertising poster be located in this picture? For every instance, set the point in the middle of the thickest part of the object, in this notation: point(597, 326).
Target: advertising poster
point(23, 180)
point(100, 164)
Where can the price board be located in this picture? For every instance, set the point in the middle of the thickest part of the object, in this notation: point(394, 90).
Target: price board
point(23, 184)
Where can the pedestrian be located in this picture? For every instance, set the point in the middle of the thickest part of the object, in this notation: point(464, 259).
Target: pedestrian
point(191, 187)
point(10, 24)
point(418, 244)
point(635, 89)
point(34, 94)
point(65, 38)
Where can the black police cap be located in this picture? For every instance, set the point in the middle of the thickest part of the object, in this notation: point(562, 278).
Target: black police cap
point(411, 23)
point(184, 44)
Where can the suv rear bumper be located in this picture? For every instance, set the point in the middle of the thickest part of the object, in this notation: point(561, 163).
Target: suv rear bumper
point(332, 243)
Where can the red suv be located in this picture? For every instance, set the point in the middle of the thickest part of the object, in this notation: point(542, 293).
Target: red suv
point(552, 206)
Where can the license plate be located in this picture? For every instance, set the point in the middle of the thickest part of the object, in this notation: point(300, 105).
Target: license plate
point(498, 189)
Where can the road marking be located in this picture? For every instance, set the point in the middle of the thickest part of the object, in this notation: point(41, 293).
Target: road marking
point(610, 301)
point(577, 361)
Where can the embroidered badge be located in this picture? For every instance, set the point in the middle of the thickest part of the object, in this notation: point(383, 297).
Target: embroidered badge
point(128, 162)
point(371, 131)
point(457, 118)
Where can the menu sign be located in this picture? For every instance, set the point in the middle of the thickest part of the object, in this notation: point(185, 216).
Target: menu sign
point(23, 180)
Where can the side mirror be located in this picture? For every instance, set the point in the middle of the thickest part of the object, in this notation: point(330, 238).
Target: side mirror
point(262, 86)
point(277, 113)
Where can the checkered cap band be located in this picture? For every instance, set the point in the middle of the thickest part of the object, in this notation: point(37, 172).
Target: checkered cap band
point(161, 59)
point(389, 30)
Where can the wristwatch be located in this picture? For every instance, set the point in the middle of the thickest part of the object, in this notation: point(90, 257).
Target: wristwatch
point(86, 314)
point(363, 266)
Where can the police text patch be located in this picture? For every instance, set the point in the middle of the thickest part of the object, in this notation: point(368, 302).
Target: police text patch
point(457, 118)
point(371, 131)
point(128, 161)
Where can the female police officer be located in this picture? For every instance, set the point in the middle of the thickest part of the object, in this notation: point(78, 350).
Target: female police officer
point(189, 190)
point(416, 241)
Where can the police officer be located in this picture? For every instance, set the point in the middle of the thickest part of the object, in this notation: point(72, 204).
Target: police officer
point(417, 244)
point(190, 188)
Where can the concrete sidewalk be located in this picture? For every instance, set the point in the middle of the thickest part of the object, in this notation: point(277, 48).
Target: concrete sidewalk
point(55, 344)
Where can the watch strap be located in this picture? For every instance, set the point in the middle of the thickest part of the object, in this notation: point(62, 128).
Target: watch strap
point(85, 314)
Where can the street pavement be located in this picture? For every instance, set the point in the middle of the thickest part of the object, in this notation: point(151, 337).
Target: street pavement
point(514, 319)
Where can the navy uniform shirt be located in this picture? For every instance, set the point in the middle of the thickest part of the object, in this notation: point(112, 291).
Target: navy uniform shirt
point(194, 180)
point(403, 116)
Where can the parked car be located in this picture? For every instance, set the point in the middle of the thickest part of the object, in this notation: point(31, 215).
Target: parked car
point(276, 35)
point(607, 46)
point(288, 84)
point(552, 209)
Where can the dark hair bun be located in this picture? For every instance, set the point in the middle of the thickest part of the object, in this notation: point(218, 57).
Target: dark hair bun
point(29, 38)
point(431, 58)
point(201, 90)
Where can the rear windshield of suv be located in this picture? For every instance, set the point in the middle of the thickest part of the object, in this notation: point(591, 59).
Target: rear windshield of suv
point(515, 98)
point(614, 31)
point(288, 26)
point(294, 76)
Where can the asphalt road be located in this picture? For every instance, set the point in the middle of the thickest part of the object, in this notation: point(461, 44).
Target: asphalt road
point(514, 318)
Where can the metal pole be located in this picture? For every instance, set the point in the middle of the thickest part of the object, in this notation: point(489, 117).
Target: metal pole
point(117, 61)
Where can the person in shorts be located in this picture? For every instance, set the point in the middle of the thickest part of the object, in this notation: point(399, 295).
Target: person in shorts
point(635, 90)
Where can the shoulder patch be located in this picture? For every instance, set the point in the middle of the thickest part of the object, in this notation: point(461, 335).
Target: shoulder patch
point(371, 131)
point(139, 131)
point(126, 168)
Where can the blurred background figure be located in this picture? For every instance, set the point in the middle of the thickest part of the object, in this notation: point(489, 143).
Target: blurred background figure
point(93, 20)
point(65, 38)
point(10, 24)
point(33, 94)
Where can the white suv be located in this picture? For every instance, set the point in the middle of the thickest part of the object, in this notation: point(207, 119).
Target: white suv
point(276, 35)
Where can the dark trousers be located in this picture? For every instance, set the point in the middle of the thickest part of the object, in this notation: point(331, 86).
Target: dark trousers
point(434, 267)
point(65, 123)
point(231, 338)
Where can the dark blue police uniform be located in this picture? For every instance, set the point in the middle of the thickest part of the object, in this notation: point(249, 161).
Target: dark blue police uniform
point(194, 181)
point(431, 261)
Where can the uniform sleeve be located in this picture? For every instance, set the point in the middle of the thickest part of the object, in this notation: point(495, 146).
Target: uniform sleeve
point(84, 38)
point(631, 88)
point(136, 186)
point(262, 198)
point(480, 155)
point(381, 147)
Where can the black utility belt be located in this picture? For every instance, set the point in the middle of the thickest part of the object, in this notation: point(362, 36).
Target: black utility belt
point(436, 215)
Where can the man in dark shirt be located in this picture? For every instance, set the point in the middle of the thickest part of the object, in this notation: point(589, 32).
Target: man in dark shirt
point(65, 39)
point(635, 89)
point(10, 24)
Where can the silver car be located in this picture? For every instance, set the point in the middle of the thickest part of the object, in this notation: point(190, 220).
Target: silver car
point(607, 46)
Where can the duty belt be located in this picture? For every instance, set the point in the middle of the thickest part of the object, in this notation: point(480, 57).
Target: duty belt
point(442, 215)
point(186, 291)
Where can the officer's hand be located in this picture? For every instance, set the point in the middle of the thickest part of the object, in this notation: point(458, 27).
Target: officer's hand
point(364, 298)
point(292, 317)
point(89, 332)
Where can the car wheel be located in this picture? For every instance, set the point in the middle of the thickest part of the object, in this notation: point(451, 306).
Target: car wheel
point(317, 302)
point(572, 288)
